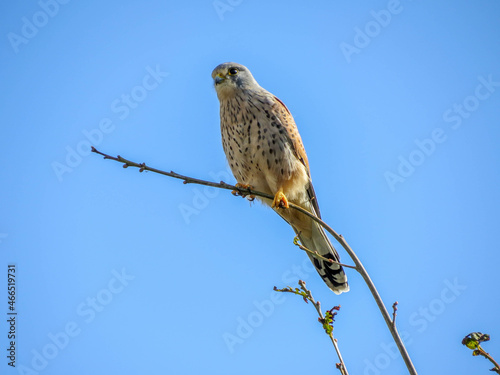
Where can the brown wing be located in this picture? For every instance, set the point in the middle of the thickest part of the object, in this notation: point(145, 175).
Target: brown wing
point(297, 147)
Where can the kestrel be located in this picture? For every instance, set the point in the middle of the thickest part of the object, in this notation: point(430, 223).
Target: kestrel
point(265, 152)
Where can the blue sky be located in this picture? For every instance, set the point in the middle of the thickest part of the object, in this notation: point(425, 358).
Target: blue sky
point(397, 103)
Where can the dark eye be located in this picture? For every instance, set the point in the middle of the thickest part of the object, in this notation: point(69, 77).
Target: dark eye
point(233, 71)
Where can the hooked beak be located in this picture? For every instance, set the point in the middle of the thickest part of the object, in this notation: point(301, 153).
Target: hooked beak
point(219, 78)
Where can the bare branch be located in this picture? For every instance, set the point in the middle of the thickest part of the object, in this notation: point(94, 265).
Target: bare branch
point(187, 180)
point(340, 239)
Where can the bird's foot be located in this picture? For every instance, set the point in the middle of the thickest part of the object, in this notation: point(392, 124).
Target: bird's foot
point(239, 193)
point(280, 200)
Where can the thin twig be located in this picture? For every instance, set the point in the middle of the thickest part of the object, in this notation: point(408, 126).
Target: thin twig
point(187, 180)
point(394, 309)
point(489, 358)
point(359, 266)
point(473, 341)
point(327, 324)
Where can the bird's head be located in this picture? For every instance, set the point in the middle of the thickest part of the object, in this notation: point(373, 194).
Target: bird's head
point(229, 78)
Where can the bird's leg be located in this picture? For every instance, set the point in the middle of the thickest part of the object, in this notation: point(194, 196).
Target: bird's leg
point(280, 200)
point(243, 186)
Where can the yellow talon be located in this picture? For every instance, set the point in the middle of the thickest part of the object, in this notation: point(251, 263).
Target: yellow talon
point(243, 186)
point(280, 200)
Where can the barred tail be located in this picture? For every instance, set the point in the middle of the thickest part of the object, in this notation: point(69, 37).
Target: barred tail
point(312, 236)
point(331, 273)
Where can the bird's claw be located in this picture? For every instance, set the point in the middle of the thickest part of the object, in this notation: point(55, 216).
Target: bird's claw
point(240, 194)
point(280, 200)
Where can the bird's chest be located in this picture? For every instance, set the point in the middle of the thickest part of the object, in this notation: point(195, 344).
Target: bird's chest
point(254, 141)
